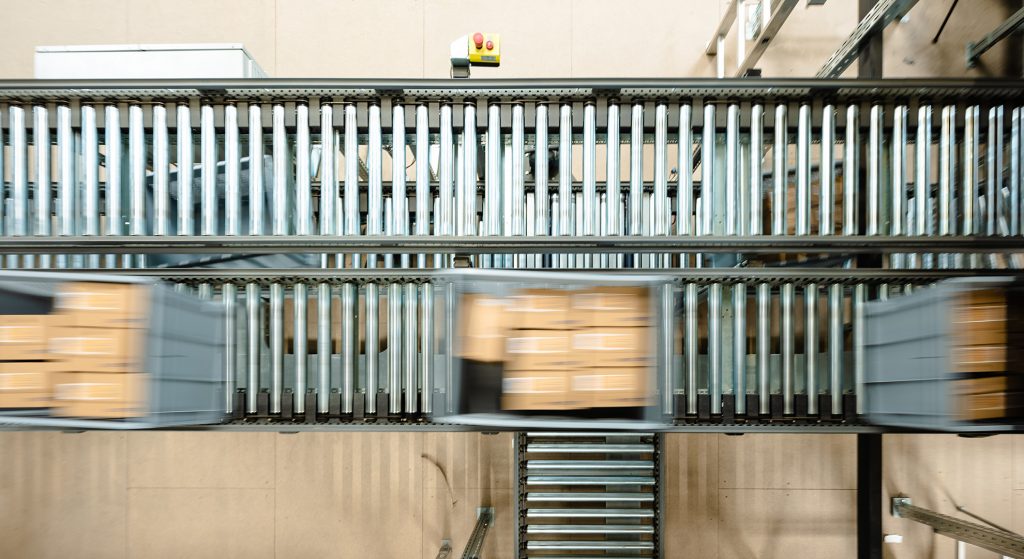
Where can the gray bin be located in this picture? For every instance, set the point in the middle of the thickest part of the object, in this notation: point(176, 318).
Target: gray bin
point(908, 365)
point(448, 400)
point(184, 346)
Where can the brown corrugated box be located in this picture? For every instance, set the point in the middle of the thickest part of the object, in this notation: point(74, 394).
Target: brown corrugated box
point(99, 395)
point(614, 347)
point(23, 337)
point(981, 385)
point(612, 306)
point(541, 309)
point(99, 350)
point(612, 387)
point(538, 350)
point(26, 384)
point(535, 390)
point(990, 405)
point(102, 305)
point(482, 328)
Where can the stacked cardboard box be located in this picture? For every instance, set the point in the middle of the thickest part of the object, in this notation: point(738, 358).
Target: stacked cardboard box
point(26, 374)
point(539, 361)
point(97, 342)
point(988, 335)
point(614, 342)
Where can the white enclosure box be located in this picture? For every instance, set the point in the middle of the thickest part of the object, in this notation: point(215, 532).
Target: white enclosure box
point(184, 61)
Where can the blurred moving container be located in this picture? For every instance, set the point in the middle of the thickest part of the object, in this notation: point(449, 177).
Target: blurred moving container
point(109, 351)
point(554, 349)
point(947, 358)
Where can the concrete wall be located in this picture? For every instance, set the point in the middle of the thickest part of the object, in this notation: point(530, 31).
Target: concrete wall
point(540, 38)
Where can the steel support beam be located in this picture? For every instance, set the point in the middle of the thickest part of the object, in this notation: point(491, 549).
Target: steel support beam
point(869, 496)
point(884, 12)
point(475, 546)
point(1008, 544)
point(976, 49)
point(782, 10)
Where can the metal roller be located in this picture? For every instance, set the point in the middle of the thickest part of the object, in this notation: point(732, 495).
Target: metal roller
point(661, 209)
point(423, 197)
point(303, 195)
point(517, 186)
point(811, 346)
point(42, 191)
point(232, 172)
point(565, 197)
point(256, 151)
point(229, 295)
point(739, 346)
point(690, 347)
point(161, 172)
point(395, 345)
point(780, 173)
point(112, 191)
point(208, 174)
point(253, 331)
point(684, 211)
point(299, 306)
point(466, 196)
point(636, 174)
point(67, 182)
point(90, 206)
point(185, 171)
point(276, 346)
point(540, 175)
point(787, 348)
point(715, 347)
point(493, 192)
point(922, 185)
point(411, 349)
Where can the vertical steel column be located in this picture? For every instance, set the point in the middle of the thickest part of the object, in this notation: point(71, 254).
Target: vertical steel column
point(208, 173)
point(161, 172)
point(232, 172)
point(923, 185)
point(684, 209)
point(565, 197)
point(185, 169)
point(43, 211)
point(112, 191)
point(636, 174)
point(90, 206)
point(994, 182)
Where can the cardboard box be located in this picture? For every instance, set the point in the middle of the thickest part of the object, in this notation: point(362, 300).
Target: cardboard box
point(26, 384)
point(103, 305)
point(99, 350)
point(614, 347)
point(616, 307)
point(99, 395)
point(612, 388)
point(23, 337)
point(482, 328)
point(980, 359)
point(540, 350)
point(981, 385)
point(535, 390)
point(991, 405)
point(540, 309)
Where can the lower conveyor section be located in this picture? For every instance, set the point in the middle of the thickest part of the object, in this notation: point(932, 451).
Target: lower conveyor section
point(588, 495)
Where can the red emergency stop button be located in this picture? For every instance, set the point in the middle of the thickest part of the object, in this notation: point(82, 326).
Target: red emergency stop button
point(478, 40)
point(490, 45)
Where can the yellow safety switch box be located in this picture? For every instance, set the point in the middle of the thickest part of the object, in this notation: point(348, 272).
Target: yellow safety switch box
point(485, 49)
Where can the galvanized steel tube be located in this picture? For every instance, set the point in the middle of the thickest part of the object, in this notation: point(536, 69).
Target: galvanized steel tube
point(715, 347)
point(565, 196)
point(780, 173)
point(811, 346)
point(764, 341)
point(690, 347)
point(232, 172)
point(229, 294)
point(91, 187)
point(276, 346)
point(411, 350)
point(303, 194)
point(208, 174)
point(851, 169)
point(324, 347)
point(282, 167)
point(185, 169)
point(787, 343)
point(255, 170)
point(803, 171)
point(252, 305)
point(300, 303)
point(540, 172)
point(739, 346)
point(827, 171)
point(161, 172)
point(466, 198)
point(874, 170)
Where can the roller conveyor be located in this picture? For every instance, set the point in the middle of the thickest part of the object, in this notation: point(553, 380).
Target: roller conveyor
point(800, 200)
